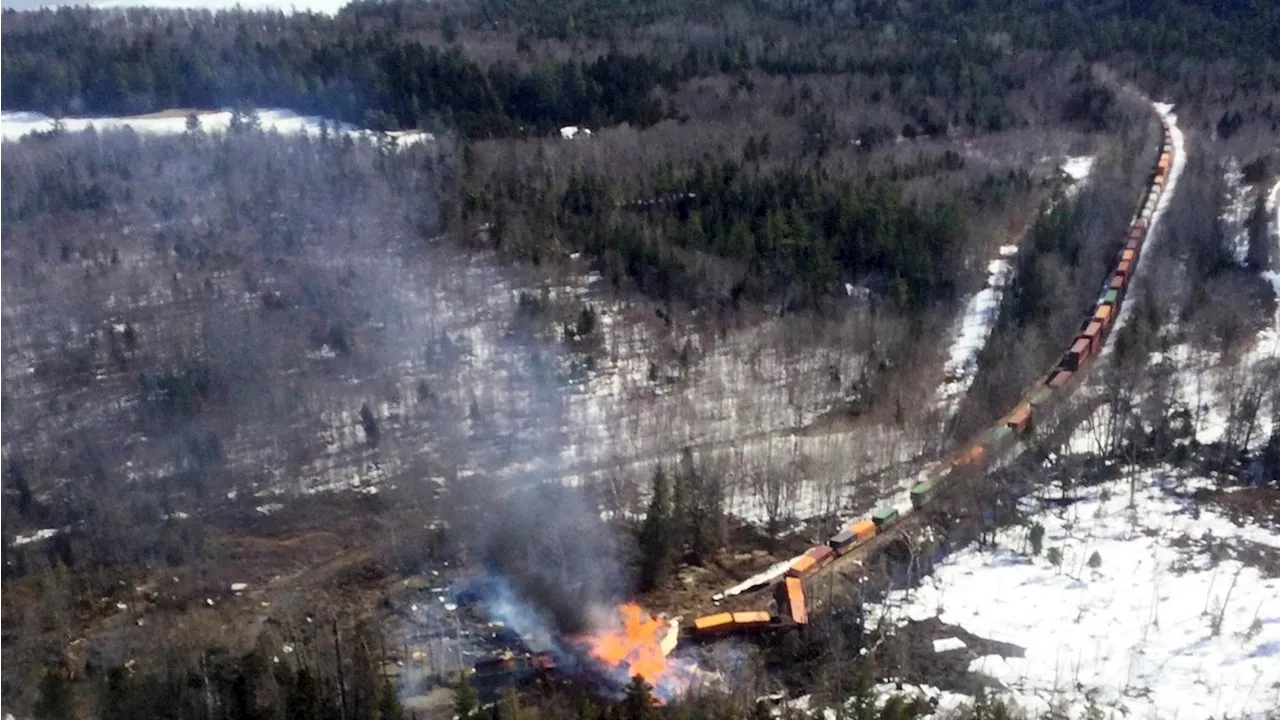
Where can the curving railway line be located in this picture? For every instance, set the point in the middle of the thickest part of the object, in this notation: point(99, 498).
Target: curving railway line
point(866, 536)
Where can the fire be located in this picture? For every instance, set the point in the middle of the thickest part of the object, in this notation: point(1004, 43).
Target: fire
point(635, 642)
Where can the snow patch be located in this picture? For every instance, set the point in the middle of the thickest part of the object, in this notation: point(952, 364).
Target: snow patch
point(1154, 625)
point(37, 536)
point(944, 644)
point(16, 125)
point(569, 132)
point(972, 329)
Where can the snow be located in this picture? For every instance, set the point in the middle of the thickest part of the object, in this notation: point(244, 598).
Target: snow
point(1136, 631)
point(1078, 168)
point(1175, 172)
point(571, 131)
point(944, 644)
point(15, 124)
point(1235, 216)
point(37, 536)
point(1269, 338)
point(973, 327)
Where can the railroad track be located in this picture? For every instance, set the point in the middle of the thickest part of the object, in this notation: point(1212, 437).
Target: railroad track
point(847, 551)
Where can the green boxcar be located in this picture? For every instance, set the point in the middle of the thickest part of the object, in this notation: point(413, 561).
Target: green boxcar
point(998, 435)
point(1111, 296)
point(922, 493)
point(884, 517)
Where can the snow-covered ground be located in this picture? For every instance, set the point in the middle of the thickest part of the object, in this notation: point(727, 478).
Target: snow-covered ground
point(1235, 216)
point(1157, 629)
point(1078, 169)
point(972, 328)
point(1269, 341)
point(15, 124)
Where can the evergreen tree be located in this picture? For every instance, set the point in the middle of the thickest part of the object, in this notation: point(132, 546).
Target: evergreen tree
point(56, 700)
point(639, 702)
point(389, 707)
point(655, 535)
point(465, 703)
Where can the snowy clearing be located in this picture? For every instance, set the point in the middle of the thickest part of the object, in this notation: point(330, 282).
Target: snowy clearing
point(1137, 631)
point(15, 125)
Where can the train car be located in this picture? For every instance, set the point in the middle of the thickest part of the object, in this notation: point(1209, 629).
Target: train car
point(843, 541)
point(752, 620)
point(1020, 417)
point(1124, 269)
point(1128, 255)
point(789, 596)
point(724, 623)
point(922, 493)
point(852, 536)
point(969, 457)
point(1117, 284)
point(1103, 316)
point(812, 560)
point(1060, 377)
point(885, 517)
point(863, 531)
point(1077, 356)
point(1093, 334)
point(1112, 298)
point(708, 624)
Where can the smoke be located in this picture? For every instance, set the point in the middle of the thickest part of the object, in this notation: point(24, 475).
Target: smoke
point(548, 549)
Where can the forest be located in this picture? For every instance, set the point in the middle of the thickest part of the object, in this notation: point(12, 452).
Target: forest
point(306, 366)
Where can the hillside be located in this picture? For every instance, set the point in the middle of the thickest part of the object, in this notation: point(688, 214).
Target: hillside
point(613, 302)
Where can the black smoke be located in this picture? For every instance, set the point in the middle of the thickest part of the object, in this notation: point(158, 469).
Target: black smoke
point(555, 554)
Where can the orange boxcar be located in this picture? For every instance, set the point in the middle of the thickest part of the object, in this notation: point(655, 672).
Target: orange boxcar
point(1020, 416)
point(1103, 315)
point(753, 617)
point(1128, 255)
point(1124, 268)
point(864, 530)
point(970, 456)
point(800, 566)
point(791, 600)
point(712, 622)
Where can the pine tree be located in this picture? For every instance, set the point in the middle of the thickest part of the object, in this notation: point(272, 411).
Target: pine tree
point(389, 707)
point(638, 703)
point(55, 701)
point(655, 535)
point(465, 704)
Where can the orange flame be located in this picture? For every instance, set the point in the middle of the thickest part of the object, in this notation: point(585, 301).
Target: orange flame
point(633, 644)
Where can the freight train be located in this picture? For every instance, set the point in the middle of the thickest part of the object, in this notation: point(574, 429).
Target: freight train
point(1006, 431)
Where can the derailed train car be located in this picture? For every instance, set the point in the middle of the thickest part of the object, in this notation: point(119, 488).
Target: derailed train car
point(1020, 420)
